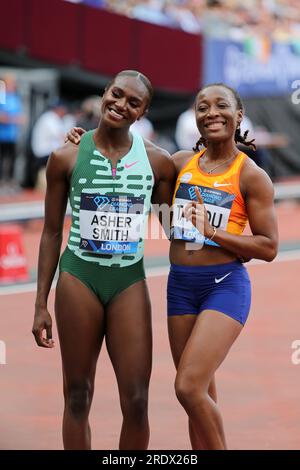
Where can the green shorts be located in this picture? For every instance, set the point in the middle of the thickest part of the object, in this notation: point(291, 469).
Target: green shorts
point(106, 282)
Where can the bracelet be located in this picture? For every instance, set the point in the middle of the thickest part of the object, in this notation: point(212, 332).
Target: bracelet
point(215, 231)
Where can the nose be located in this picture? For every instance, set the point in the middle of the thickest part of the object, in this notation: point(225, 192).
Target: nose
point(121, 103)
point(213, 111)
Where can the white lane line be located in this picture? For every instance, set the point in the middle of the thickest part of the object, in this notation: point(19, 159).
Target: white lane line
point(20, 289)
point(293, 255)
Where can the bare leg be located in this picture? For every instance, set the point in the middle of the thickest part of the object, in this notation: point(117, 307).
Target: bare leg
point(180, 328)
point(212, 336)
point(197, 441)
point(80, 323)
point(129, 344)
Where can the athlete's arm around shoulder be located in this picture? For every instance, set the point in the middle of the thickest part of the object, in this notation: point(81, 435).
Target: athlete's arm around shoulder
point(164, 173)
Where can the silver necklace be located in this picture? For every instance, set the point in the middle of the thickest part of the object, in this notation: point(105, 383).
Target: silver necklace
point(220, 164)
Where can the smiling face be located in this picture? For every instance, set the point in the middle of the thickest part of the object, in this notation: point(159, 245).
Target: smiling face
point(217, 114)
point(125, 101)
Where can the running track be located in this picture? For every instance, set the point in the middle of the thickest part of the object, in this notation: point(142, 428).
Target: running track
point(258, 385)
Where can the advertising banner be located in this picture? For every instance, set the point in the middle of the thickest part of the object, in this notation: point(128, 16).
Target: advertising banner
point(255, 67)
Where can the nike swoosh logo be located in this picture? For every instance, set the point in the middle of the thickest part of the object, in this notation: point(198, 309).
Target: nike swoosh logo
point(129, 165)
point(217, 185)
point(221, 278)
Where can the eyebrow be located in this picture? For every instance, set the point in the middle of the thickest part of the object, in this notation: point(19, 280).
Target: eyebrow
point(131, 97)
point(219, 98)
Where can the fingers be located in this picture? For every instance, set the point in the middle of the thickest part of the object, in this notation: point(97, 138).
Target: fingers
point(244, 259)
point(69, 138)
point(192, 209)
point(74, 135)
point(40, 340)
point(186, 211)
point(198, 194)
point(194, 213)
point(79, 130)
point(49, 339)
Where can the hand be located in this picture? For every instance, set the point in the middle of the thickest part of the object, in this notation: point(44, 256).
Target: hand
point(197, 214)
point(74, 135)
point(42, 321)
point(244, 260)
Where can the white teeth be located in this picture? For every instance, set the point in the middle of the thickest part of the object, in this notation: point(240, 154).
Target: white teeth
point(215, 124)
point(115, 113)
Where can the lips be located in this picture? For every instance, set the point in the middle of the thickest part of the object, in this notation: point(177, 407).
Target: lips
point(215, 125)
point(115, 114)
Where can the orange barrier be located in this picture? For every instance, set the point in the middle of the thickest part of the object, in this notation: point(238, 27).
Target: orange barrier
point(13, 263)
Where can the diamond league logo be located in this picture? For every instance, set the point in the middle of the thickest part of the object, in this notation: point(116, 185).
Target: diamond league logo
point(101, 201)
point(192, 193)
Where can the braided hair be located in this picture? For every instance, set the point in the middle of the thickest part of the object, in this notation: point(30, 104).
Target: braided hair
point(238, 137)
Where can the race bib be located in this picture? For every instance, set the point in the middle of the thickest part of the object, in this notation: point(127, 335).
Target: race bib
point(111, 224)
point(218, 206)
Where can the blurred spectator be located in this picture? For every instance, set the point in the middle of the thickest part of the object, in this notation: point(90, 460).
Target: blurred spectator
point(47, 134)
point(186, 132)
point(90, 113)
point(217, 19)
point(165, 141)
point(264, 141)
point(92, 3)
point(277, 19)
point(152, 11)
point(96, 3)
point(246, 125)
point(11, 120)
point(144, 128)
point(183, 14)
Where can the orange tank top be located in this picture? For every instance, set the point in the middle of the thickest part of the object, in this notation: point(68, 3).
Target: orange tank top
point(221, 196)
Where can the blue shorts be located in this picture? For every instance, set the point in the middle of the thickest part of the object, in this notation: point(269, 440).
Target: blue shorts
point(222, 287)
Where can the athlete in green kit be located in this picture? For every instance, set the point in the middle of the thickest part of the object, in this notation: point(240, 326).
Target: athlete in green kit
point(111, 178)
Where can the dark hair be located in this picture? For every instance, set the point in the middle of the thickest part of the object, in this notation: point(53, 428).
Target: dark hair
point(238, 137)
point(134, 73)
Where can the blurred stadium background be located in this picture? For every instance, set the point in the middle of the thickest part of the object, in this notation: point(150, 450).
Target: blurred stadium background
point(56, 57)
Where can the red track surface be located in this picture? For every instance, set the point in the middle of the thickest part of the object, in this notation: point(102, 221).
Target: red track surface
point(258, 385)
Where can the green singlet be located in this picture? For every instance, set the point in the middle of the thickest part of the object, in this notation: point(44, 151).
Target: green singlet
point(110, 208)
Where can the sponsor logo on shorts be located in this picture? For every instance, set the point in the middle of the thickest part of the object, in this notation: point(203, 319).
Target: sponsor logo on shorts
point(220, 279)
